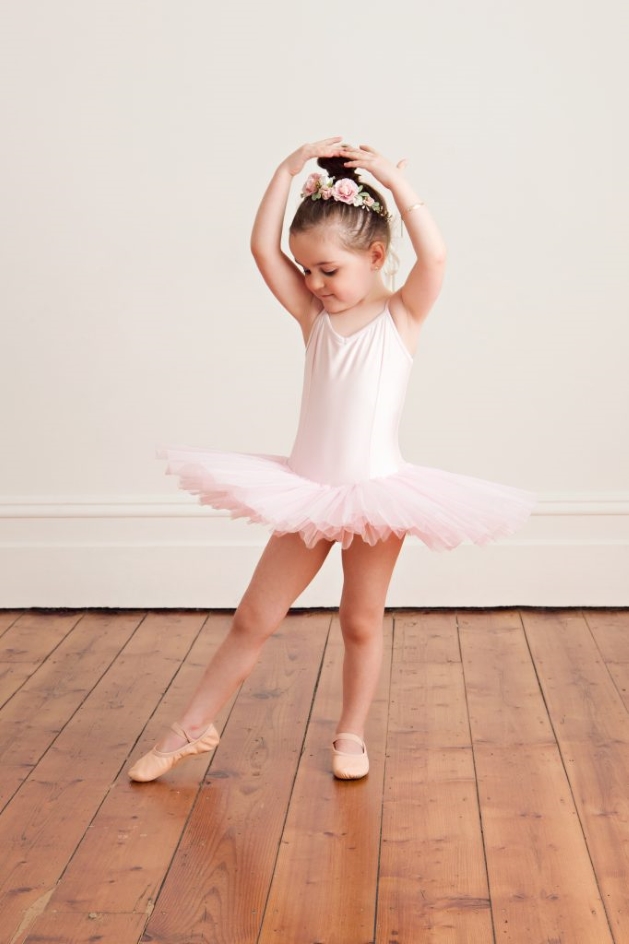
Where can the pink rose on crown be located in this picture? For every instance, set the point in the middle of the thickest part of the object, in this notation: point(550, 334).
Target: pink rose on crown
point(345, 190)
point(312, 184)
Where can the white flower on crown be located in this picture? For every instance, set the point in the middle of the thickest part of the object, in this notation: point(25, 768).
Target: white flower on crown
point(314, 183)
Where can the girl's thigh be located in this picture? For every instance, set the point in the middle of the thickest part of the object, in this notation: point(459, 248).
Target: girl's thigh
point(367, 571)
point(284, 570)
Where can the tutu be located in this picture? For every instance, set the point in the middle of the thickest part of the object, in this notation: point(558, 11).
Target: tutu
point(345, 476)
point(443, 509)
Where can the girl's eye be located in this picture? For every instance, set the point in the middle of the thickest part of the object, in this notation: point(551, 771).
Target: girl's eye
point(333, 272)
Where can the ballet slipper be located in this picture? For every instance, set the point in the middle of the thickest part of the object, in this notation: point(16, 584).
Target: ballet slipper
point(349, 766)
point(156, 763)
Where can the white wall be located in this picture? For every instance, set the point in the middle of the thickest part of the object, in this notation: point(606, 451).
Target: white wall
point(138, 138)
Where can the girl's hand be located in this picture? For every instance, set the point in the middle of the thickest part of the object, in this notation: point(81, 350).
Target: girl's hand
point(295, 162)
point(366, 158)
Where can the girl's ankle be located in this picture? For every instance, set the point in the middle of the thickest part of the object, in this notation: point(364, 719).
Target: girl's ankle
point(195, 729)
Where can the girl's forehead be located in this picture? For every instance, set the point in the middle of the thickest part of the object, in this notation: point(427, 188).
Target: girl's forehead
point(316, 241)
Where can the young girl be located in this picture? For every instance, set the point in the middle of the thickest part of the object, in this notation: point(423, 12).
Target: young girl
point(345, 480)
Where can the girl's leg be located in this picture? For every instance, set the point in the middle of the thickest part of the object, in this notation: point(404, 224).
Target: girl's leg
point(367, 574)
point(285, 569)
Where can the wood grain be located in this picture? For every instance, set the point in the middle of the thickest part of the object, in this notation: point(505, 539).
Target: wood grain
point(543, 887)
point(330, 845)
point(46, 819)
point(94, 928)
point(592, 730)
point(433, 883)
point(496, 810)
point(7, 618)
point(33, 636)
point(136, 830)
point(45, 703)
point(218, 883)
point(26, 640)
point(610, 631)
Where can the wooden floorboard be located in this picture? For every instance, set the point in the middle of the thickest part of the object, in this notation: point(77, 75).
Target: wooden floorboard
point(496, 810)
point(219, 880)
point(592, 730)
point(330, 845)
point(433, 882)
point(543, 886)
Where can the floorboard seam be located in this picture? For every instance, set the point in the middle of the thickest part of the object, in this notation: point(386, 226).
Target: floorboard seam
point(476, 784)
point(315, 689)
point(567, 775)
point(384, 780)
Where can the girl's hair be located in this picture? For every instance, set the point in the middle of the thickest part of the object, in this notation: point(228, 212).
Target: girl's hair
point(358, 226)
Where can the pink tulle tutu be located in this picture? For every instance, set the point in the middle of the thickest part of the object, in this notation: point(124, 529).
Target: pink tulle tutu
point(346, 476)
point(441, 508)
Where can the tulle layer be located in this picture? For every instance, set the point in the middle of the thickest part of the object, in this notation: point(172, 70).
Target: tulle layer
point(442, 509)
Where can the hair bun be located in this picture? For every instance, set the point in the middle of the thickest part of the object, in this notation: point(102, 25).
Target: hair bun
point(335, 167)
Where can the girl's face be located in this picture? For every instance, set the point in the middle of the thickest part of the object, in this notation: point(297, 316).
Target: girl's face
point(341, 278)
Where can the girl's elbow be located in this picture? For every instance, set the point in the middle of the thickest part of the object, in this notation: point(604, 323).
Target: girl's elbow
point(261, 255)
point(440, 256)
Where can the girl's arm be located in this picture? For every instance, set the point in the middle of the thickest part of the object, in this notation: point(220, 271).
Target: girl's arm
point(280, 273)
point(423, 284)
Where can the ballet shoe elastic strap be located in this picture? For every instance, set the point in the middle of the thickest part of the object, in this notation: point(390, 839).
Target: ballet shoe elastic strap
point(350, 737)
point(180, 731)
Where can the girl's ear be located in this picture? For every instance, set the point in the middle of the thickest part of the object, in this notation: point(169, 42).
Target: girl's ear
point(378, 253)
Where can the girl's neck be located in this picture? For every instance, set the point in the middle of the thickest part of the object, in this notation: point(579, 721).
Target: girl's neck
point(353, 319)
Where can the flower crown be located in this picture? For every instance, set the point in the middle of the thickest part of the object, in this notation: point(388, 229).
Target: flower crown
point(344, 190)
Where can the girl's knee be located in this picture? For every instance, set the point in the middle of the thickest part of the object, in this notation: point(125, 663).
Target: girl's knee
point(254, 622)
point(360, 625)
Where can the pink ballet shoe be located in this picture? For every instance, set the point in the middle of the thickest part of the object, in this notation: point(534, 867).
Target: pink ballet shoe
point(349, 766)
point(156, 763)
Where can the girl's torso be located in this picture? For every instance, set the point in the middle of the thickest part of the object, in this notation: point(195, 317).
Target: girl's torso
point(352, 401)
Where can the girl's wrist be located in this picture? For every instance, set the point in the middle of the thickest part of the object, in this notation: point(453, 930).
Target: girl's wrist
point(284, 171)
point(295, 162)
point(407, 201)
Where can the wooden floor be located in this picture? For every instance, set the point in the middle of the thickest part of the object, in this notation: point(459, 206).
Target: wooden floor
point(496, 809)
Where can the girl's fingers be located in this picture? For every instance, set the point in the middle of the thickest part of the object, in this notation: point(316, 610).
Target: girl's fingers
point(327, 148)
point(328, 142)
point(361, 156)
point(321, 148)
point(350, 149)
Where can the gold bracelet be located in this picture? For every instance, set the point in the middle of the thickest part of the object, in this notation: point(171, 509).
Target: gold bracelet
point(413, 206)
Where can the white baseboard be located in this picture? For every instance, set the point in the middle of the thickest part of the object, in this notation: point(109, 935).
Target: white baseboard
point(164, 552)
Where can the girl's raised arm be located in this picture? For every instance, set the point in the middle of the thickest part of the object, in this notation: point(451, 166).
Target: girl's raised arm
point(423, 284)
point(280, 273)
